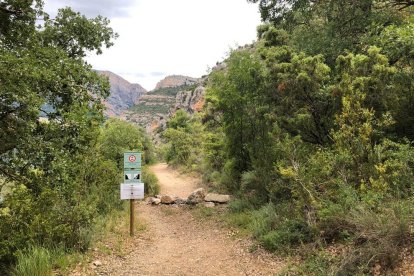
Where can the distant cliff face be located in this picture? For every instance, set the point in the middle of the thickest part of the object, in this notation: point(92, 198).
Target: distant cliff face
point(123, 94)
point(175, 80)
point(190, 100)
point(173, 92)
point(154, 106)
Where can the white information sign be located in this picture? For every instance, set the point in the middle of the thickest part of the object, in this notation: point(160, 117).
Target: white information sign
point(132, 191)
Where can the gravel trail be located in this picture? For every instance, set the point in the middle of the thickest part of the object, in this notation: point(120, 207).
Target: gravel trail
point(176, 243)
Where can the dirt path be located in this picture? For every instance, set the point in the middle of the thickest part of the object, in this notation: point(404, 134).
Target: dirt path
point(172, 182)
point(176, 243)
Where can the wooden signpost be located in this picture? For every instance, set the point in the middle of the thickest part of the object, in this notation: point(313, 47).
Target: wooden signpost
point(132, 188)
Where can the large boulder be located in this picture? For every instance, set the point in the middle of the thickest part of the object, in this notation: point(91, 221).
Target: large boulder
point(217, 198)
point(197, 196)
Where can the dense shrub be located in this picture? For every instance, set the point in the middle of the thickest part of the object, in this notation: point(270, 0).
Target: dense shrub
point(183, 138)
point(150, 180)
point(313, 135)
point(60, 209)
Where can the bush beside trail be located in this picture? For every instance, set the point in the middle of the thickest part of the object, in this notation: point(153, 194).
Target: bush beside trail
point(311, 133)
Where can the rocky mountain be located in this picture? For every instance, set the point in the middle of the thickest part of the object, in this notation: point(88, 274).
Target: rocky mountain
point(152, 109)
point(175, 81)
point(174, 92)
point(123, 94)
point(154, 106)
point(190, 100)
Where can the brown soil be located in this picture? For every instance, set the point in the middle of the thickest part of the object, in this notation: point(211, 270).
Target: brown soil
point(177, 243)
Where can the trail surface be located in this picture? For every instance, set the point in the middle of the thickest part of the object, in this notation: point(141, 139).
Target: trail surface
point(177, 243)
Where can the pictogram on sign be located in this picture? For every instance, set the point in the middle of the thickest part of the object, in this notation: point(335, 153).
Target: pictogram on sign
point(132, 160)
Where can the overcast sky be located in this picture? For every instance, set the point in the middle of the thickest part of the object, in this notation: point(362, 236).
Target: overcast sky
point(165, 37)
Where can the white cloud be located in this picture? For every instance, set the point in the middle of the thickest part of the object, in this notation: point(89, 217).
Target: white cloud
point(159, 38)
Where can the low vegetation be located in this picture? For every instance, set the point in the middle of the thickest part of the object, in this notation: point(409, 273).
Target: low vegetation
point(171, 91)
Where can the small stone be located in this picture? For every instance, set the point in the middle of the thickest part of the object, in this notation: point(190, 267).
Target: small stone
point(180, 200)
point(196, 197)
point(166, 199)
point(209, 204)
point(155, 201)
point(97, 263)
point(217, 198)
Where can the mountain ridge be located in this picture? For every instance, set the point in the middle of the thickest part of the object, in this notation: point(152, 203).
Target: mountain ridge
point(123, 94)
point(174, 81)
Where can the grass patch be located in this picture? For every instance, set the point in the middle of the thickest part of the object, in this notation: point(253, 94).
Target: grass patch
point(40, 261)
point(343, 243)
point(110, 235)
point(201, 212)
point(37, 261)
point(152, 186)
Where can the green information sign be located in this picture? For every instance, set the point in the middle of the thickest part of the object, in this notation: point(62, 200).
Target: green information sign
point(132, 160)
point(132, 188)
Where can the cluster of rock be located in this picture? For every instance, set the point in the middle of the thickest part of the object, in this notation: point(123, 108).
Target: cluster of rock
point(199, 196)
point(190, 101)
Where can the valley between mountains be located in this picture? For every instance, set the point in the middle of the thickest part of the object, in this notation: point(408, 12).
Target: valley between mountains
point(151, 109)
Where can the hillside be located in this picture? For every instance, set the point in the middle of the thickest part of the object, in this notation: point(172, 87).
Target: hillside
point(172, 93)
point(123, 94)
point(154, 106)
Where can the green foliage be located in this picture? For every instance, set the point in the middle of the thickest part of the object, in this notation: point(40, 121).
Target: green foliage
point(67, 31)
point(152, 188)
point(379, 236)
point(171, 91)
point(311, 128)
point(59, 173)
point(119, 136)
point(335, 26)
point(37, 262)
point(183, 138)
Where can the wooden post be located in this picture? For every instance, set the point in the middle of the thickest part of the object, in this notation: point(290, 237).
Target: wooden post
point(131, 217)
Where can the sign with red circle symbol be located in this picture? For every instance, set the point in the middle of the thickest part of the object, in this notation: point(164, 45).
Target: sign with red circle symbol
point(132, 158)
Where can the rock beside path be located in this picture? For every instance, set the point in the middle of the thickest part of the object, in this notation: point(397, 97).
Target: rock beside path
point(196, 197)
point(180, 200)
point(217, 198)
point(155, 201)
point(209, 204)
point(167, 199)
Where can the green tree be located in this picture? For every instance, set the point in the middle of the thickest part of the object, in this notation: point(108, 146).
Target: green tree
point(119, 136)
point(50, 116)
point(183, 137)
